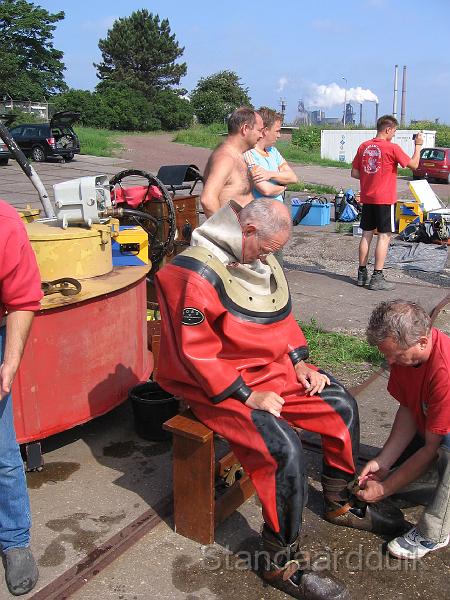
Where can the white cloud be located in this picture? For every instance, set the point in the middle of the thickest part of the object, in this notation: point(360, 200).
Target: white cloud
point(100, 25)
point(282, 82)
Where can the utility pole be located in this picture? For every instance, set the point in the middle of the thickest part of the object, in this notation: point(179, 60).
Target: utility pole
point(394, 103)
point(345, 100)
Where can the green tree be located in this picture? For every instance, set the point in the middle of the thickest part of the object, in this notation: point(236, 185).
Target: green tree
point(216, 96)
point(141, 52)
point(31, 68)
point(94, 112)
point(173, 111)
point(114, 107)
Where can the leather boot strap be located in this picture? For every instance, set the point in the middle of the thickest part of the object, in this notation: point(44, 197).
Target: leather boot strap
point(338, 512)
point(284, 573)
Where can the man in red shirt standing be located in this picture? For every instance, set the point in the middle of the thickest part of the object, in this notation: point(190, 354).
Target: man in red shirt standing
point(20, 294)
point(419, 356)
point(375, 165)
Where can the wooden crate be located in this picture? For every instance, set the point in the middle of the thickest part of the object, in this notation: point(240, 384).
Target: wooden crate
point(186, 215)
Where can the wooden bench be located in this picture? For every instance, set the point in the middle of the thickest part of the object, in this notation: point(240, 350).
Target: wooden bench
point(197, 510)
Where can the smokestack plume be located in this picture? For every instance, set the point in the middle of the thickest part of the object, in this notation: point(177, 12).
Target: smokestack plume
point(326, 96)
point(403, 113)
point(394, 103)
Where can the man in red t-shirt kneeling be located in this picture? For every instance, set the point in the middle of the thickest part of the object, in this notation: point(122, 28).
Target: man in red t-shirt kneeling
point(375, 165)
point(419, 356)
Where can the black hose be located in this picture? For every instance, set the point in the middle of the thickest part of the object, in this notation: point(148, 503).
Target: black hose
point(130, 212)
point(139, 214)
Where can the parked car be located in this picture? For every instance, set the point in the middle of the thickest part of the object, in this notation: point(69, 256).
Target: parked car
point(49, 140)
point(434, 164)
point(5, 154)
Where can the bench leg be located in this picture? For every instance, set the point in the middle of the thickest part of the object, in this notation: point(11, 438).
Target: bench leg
point(193, 488)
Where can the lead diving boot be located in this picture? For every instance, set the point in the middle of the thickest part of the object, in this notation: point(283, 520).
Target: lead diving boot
point(343, 507)
point(289, 570)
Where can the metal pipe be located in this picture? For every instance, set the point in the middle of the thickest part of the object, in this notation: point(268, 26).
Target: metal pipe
point(29, 171)
point(394, 103)
point(403, 110)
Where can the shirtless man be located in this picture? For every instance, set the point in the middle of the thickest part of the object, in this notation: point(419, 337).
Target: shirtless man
point(226, 174)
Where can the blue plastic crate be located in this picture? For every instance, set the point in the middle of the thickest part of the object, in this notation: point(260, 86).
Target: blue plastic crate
point(319, 214)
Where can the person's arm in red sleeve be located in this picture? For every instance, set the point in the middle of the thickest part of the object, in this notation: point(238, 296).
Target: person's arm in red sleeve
point(195, 313)
point(18, 324)
point(201, 347)
point(199, 343)
point(20, 285)
point(19, 274)
point(438, 403)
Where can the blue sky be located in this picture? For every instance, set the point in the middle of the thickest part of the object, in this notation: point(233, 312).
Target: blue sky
point(288, 49)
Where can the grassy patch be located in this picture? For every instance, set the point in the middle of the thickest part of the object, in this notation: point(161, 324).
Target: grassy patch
point(317, 188)
point(205, 136)
point(209, 136)
point(98, 142)
point(344, 227)
point(333, 351)
point(306, 156)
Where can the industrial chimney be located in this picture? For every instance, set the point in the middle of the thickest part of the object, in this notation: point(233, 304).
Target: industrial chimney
point(376, 112)
point(403, 112)
point(360, 114)
point(394, 103)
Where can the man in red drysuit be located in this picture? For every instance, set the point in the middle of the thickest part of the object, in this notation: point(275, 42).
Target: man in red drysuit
point(234, 351)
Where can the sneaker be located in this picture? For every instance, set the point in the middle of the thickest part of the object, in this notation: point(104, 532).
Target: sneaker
point(378, 282)
point(362, 277)
point(21, 572)
point(413, 545)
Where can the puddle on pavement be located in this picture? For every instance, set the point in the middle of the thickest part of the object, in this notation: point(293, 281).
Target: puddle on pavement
point(73, 531)
point(53, 472)
point(126, 449)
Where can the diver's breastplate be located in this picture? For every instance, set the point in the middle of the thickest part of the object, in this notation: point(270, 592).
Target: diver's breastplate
point(233, 295)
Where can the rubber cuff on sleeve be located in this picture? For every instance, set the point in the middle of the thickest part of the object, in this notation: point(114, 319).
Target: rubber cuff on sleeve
point(237, 390)
point(298, 354)
point(242, 393)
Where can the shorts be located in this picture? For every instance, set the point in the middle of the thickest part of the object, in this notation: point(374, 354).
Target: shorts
point(379, 217)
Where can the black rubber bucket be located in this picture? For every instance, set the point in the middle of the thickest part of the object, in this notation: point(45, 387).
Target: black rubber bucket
point(152, 406)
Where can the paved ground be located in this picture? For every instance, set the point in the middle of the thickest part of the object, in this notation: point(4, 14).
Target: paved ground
point(101, 476)
point(18, 190)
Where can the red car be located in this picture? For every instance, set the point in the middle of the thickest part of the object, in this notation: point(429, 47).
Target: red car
point(434, 164)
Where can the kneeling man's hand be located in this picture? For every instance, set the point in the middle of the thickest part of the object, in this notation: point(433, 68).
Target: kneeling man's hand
point(371, 481)
point(374, 470)
point(372, 491)
point(268, 401)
